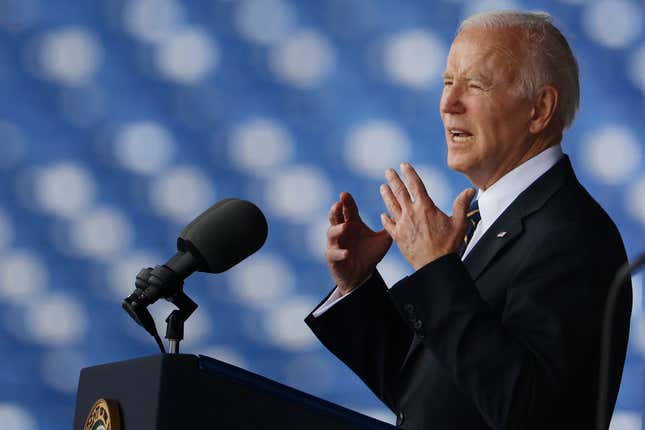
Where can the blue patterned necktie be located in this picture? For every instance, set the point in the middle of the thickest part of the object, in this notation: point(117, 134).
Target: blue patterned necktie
point(472, 219)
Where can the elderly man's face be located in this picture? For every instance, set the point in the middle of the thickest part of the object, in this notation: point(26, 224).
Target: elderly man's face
point(486, 119)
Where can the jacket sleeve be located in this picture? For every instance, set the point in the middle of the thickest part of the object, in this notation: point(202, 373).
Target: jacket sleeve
point(366, 332)
point(514, 366)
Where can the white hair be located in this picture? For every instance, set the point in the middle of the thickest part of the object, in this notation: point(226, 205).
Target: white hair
point(548, 59)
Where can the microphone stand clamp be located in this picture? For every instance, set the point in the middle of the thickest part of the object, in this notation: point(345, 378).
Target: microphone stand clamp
point(151, 285)
point(175, 321)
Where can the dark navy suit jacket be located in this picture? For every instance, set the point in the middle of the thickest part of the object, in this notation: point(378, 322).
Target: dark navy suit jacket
point(507, 339)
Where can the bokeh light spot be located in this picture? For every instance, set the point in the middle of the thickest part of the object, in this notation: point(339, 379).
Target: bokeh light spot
point(303, 60)
point(187, 56)
point(285, 327)
point(414, 58)
point(317, 238)
point(635, 200)
point(298, 192)
point(22, 276)
point(123, 271)
point(613, 23)
point(260, 144)
point(437, 185)
point(64, 189)
point(264, 21)
point(70, 56)
point(100, 233)
point(375, 145)
point(60, 369)
point(152, 20)
point(181, 193)
point(144, 147)
point(262, 280)
point(393, 269)
point(612, 154)
point(55, 320)
point(15, 417)
point(625, 420)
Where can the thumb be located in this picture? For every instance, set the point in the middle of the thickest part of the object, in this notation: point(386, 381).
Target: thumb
point(460, 206)
point(384, 238)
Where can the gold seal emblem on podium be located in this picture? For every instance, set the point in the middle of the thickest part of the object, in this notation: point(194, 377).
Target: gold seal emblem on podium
point(104, 415)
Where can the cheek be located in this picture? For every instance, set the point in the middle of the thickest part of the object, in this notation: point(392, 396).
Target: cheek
point(484, 123)
point(494, 121)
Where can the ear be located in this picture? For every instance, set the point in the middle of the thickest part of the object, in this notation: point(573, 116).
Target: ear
point(544, 107)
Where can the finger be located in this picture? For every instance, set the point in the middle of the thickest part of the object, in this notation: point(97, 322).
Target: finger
point(398, 188)
point(350, 209)
point(388, 225)
point(336, 254)
point(336, 214)
point(390, 201)
point(460, 206)
point(415, 184)
point(335, 232)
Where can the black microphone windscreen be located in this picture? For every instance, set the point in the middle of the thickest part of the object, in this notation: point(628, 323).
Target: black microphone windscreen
point(224, 234)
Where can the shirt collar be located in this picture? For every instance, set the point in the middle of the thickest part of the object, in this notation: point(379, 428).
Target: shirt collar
point(494, 201)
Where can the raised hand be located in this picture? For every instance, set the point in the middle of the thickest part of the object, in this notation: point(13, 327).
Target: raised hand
point(353, 249)
point(421, 231)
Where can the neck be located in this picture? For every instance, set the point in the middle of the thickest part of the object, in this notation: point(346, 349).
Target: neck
point(539, 144)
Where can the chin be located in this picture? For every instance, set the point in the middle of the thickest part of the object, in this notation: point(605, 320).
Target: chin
point(457, 163)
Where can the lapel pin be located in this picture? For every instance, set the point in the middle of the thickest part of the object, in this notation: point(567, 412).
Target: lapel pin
point(501, 234)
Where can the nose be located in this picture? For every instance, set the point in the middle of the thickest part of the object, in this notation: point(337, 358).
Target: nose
point(451, 100)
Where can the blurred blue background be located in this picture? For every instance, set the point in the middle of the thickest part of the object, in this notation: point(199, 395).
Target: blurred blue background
point(122, 120)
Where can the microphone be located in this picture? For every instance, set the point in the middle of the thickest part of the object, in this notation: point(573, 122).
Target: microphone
point(223, 235)
point(218, 239)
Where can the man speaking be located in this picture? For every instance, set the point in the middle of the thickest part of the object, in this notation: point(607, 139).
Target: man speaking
point(499, 325)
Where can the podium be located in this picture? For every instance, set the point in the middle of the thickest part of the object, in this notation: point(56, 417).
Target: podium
point(182, 391)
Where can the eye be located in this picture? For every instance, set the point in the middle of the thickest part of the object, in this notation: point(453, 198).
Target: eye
point(447, 82)
point(475, 86)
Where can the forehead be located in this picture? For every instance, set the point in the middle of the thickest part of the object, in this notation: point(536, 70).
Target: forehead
point(489, 52)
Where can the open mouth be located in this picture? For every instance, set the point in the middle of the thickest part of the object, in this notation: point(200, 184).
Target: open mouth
point(460, 136)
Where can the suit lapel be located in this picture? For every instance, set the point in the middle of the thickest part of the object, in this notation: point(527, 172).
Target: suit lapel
point(510, 222)
point(509, 225)
point(501, 233)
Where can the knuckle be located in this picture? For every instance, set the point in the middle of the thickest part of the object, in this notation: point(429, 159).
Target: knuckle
point(332, 238)
point(330, 253)
point(337, 229)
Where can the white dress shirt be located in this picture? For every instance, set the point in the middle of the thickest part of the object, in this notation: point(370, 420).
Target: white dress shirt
point(492, 202)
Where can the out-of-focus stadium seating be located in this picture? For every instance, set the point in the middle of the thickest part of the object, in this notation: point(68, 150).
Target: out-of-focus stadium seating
point(121, 120)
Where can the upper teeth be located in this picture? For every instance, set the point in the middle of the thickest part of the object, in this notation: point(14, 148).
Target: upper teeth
point(460, 136)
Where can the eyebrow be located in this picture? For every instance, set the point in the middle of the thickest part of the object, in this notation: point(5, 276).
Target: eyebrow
point(473, 77)
point(480, 78)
